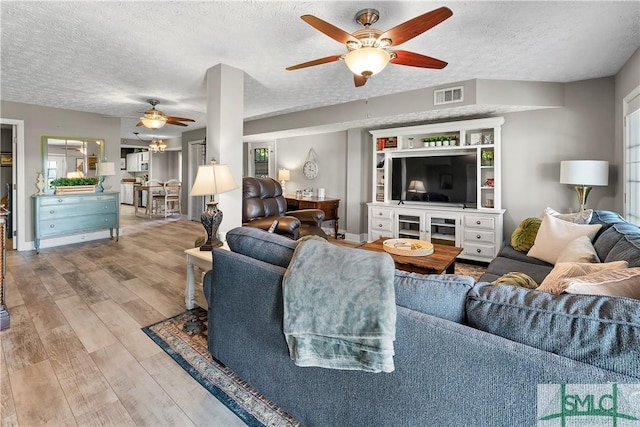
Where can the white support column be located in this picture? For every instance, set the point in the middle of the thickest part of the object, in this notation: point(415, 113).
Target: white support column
point(225, 109)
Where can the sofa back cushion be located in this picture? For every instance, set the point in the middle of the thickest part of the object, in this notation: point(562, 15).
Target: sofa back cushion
point(260, 244)
point(602, 331)
point(438, 295)
point(626, 249)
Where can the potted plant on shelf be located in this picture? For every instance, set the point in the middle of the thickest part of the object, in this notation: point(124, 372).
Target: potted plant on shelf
point(74, 185)
point(487, 157)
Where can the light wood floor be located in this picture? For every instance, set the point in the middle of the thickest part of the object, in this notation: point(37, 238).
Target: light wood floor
point(75, 354)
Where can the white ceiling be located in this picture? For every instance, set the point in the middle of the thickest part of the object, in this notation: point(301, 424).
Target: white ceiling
point(108, 57)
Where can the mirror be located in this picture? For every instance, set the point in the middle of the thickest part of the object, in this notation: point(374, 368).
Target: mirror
point(64, 157)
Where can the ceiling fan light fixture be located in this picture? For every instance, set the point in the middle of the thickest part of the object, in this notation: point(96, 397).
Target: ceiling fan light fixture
point(157, 145)
point(367, 61)
point(153, 119)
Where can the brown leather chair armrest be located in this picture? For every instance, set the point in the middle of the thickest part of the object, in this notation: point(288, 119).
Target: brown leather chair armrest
point(287, 225)
point(309, 215)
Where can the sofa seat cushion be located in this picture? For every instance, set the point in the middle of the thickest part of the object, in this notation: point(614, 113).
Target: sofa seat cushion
point(602, 331)
point(441, 295)
point(262, 245)
point(504, 265)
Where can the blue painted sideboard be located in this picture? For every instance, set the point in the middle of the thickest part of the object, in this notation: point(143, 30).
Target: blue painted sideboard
point(61, 215)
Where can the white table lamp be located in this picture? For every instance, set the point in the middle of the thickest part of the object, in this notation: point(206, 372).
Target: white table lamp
point(104, 170)
point(584, 174)
point(210, 180)
point(284, 175)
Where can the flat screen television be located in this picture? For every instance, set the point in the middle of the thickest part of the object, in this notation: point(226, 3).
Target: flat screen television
point(441, 179)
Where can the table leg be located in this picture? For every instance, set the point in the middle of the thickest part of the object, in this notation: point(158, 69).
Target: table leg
point(335, 227)
point(452, 268)
point(189, 290)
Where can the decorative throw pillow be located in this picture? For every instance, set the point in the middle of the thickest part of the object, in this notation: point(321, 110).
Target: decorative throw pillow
point(525, 234)
point(583, 217)
point(516, 279)
point(554, 282)
point(555, 234)
point(617, 283)
point(579, 250)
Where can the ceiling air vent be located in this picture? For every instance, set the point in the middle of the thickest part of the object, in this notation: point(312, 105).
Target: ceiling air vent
point(448, 96)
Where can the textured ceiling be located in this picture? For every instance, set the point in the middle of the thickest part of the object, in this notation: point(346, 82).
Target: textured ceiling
point(108, 57)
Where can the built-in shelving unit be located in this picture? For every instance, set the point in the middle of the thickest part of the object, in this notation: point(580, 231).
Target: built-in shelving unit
point(477, 227)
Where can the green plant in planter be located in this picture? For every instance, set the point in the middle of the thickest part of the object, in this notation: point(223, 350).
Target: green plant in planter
point(68, 182)
point(487, 157)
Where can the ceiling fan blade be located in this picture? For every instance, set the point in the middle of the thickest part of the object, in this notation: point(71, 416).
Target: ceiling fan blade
point(416, 26)
point(139, 124)
point(359, 80)
point(173, 122)
point(413, 59)
point(339, 35)
point(331, 58)
point(180, 119)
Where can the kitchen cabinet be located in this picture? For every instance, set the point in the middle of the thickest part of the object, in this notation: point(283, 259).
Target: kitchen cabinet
point(138, 162)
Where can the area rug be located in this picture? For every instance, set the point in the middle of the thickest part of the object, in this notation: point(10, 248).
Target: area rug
point(184, 338)
point(472, 270)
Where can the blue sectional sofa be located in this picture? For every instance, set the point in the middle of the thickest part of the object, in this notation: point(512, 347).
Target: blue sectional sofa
point(466, 353)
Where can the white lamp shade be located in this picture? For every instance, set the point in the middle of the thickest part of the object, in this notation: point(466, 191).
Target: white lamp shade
point(284, 175)
point(584, 172)
point(213, 179)
point(367, 61)
point(416, 187)
point(106, 169)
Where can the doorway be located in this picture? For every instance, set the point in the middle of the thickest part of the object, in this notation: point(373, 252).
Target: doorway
point(11, 179)
point(197, 157)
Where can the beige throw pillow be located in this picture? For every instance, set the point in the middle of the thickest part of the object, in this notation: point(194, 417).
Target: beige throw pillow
point(555, 234)
point(618, 283)
point(579, 250)
point(554, 282)
point(583, 217)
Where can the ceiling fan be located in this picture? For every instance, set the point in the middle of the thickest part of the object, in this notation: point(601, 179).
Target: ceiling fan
point(155, 119)
point(367, 49)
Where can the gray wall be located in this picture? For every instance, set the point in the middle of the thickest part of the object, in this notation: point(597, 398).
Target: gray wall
point(39, 121)
point(331, 152)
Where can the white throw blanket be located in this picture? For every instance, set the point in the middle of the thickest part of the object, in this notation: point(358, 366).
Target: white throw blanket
point(339, 307)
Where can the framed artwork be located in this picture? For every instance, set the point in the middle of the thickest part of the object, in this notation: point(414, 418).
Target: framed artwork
point(6, 159)
point(79, 164)
point(123, 163)
point(92, 161)
point(446, 181)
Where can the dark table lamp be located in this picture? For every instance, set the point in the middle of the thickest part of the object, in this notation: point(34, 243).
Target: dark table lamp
point(212, 179)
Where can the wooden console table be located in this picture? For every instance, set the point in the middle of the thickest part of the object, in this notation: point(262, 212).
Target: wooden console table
point(327, 205)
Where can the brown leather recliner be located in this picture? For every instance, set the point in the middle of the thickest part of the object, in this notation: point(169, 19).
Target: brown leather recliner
point(263, 203)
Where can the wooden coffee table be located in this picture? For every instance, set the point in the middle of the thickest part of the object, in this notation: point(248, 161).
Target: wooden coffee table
point(442, 260)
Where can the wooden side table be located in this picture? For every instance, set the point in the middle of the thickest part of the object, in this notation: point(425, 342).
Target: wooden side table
point(204, 261)
point(327, 205)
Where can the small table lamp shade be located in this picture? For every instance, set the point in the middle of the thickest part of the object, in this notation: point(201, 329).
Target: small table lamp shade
point(416, 186)
point(284, 175)
point(584, 174)
point(210, 180)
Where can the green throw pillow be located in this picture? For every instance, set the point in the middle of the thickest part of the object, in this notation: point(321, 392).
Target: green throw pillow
point(525, 234)
point(516, 279)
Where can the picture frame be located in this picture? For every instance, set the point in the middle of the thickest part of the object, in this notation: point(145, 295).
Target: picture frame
point(446, 181)
point(79, 164)
point(123, 163)
point(6, 159)
point(92, 162)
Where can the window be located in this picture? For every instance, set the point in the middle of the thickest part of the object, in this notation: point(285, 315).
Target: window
point(632, 168)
